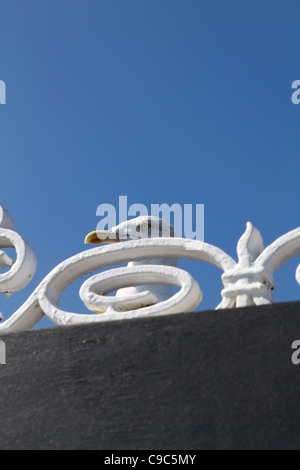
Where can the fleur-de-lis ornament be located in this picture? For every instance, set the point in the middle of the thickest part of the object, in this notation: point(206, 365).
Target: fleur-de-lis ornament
point(250, 281)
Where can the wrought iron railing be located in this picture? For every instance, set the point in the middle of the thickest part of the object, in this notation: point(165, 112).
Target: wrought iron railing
point(143, 286)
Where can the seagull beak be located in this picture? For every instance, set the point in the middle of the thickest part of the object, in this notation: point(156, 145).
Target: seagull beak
point(101, 236)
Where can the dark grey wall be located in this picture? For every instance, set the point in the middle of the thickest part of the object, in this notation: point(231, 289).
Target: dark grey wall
point(210, 380)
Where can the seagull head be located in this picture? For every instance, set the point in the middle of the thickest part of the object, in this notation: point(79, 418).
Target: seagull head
point(134, 229)
point(142, 227)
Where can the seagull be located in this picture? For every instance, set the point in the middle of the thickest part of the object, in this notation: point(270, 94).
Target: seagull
point(136, 229)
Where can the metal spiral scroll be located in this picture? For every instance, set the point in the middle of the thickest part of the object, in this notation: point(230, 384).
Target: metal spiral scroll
point(45, 298)
point(91, 292)
point(23, 269)
point(246, 282)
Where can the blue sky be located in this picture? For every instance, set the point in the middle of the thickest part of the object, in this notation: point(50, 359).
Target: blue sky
point(165, 101)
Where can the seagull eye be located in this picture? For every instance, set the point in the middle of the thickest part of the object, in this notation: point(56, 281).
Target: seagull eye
point(145, 226)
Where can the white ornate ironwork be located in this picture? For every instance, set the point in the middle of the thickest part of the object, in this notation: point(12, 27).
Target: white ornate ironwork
point(23, 269)
point(144, 284)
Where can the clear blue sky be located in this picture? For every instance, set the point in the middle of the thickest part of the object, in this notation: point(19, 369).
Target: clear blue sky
point(175, 101)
